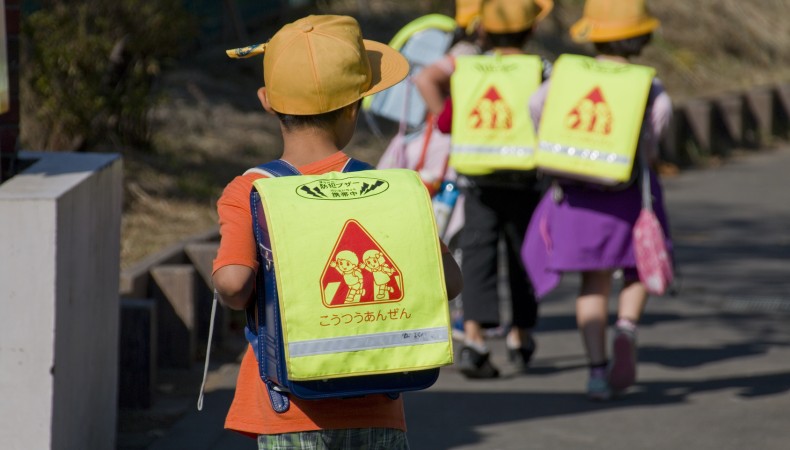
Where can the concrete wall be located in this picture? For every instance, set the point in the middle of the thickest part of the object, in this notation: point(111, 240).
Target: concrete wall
point(59, 302)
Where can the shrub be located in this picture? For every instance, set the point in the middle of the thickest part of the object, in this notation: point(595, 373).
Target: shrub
point(87, 69)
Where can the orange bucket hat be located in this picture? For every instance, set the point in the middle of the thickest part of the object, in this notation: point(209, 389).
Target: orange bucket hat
point(321, 63)
point(613, 20)
point(512, 16)
point(466, 11)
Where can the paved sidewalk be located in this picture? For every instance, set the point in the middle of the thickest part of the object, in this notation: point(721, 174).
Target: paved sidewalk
point(714, 367)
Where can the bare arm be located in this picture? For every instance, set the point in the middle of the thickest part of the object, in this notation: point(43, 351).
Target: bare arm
point(433, 84)
point(452, 276)
point(235, 284)
point(660, 117)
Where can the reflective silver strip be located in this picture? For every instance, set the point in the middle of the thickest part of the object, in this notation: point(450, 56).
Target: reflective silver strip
point(586, 153)
point(368, 341)
point(504, 151)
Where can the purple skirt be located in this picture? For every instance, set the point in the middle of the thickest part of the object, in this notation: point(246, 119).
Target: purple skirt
point(585, 229)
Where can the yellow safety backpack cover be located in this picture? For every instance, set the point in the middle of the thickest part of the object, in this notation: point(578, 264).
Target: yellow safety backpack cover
point(358, 273)
point(592, 118)
point(492, 129)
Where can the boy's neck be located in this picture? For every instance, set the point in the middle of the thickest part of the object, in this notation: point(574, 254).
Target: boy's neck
point(509, 50)
point(308, 145)
point(613, 58)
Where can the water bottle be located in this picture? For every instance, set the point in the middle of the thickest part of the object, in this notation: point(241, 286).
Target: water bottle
point(443, 204)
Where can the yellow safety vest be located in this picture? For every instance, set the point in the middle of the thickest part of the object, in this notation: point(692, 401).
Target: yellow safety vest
point(359, 273)
point(592, 118)
point(492, 129)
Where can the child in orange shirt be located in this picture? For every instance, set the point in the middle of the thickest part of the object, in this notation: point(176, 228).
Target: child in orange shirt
point(316, 70)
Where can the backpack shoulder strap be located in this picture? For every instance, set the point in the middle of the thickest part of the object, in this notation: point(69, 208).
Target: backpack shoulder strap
point(275, 168)
point(355, 165)
point(280, 168)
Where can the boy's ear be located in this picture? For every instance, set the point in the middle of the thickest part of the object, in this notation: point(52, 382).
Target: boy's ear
point(354, 108)
point(265, 100)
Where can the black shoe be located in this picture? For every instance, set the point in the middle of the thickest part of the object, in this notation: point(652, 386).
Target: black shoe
point(474, 364)
point(520, 357)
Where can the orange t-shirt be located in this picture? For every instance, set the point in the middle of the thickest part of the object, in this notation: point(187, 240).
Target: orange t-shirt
point(251, 413)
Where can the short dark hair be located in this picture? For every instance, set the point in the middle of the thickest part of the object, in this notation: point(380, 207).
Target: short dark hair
point(517, 39)
point(624, 47)
point(325, 120)
point(460, 34)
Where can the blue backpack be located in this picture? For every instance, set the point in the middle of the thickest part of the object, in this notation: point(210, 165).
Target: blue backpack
point(265, 334)
point(422, 42)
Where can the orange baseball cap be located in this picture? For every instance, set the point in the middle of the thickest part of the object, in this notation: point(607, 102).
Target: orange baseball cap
point(512, 16)
point(321, 63)
point(613, 20)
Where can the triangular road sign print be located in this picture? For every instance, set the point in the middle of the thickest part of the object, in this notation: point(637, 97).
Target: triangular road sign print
point(491, 112)
point(359, 271)
point(592, 114)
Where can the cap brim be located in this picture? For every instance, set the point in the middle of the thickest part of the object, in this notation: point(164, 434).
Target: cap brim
point(586, 30)
point(387, 66)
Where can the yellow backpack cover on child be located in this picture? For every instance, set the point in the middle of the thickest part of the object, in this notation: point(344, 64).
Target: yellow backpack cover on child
point(358, 273)
point(492, 129)
point(590, 126)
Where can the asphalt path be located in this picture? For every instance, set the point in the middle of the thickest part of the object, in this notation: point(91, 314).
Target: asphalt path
point(714, 357)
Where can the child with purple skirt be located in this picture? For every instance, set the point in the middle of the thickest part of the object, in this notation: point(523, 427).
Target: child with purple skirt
point(582, 228)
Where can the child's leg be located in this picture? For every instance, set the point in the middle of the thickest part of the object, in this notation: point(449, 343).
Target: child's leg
point(524, 307)
point(592, 313)
point(631, 303)
point(473, 333)
point(478, 241)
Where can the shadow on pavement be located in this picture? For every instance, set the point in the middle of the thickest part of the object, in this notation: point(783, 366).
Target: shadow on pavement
point(445, 420)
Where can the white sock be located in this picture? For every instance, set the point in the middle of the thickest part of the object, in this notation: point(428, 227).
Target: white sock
point(480, 347)
point(626, 324)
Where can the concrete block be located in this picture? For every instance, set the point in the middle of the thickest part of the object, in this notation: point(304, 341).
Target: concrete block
point(669, 145)
point(781, 119)
point(134, 282)
point(137, 350)
point(174, 287)
point(758, 114)
point(727, 126)
point(59, 310)
point(697, 114)
point(201, 255)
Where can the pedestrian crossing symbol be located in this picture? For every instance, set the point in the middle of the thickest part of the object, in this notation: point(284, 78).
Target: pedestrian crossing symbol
point(359, 271)
point(491, 112)
point(591, 114)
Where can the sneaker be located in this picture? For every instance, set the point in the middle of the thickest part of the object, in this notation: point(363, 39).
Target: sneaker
point(598, 388)
point(622, 372)
point(520, 357)
point(474, 364)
